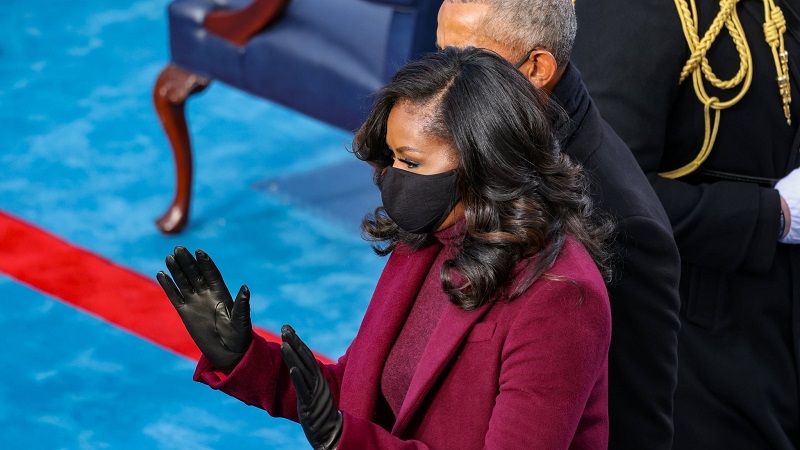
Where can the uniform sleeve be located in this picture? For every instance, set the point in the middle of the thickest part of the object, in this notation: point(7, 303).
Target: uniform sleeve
point(726, 225)
point(262, 380)
point(553, 375)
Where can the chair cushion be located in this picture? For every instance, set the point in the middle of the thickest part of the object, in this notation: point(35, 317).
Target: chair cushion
point(323, 58)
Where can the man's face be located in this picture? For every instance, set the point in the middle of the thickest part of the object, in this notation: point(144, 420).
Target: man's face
point(460, 25)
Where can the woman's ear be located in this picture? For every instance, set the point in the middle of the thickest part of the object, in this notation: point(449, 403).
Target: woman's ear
point(542, 70)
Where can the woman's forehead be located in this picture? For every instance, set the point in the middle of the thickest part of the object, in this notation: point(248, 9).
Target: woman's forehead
point(408, 128)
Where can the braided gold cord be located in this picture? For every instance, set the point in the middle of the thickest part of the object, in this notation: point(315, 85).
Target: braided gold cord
point(699, 68)
point(727, 17)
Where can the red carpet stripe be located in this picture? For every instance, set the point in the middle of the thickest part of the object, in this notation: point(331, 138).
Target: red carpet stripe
point(95, 285)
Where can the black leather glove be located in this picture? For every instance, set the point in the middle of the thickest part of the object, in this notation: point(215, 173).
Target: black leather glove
point(220, 327)
point(320, 417)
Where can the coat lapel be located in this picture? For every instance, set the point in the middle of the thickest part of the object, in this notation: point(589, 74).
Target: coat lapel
point(453, 327)
point(391, 302)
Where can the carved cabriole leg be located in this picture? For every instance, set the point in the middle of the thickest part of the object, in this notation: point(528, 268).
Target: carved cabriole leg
point(173, 86)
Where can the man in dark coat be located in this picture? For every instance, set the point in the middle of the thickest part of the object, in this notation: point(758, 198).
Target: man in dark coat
point(537, 35)
point(738, 346)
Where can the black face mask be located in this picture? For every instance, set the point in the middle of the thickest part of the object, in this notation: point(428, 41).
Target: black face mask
point(418, 203)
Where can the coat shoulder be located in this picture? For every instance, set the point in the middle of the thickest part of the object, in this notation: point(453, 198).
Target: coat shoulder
point(572, 287)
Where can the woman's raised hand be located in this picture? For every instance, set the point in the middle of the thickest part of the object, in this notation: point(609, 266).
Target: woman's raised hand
point(220, 327)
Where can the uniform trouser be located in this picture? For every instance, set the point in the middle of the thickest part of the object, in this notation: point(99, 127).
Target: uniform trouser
point(738, 359)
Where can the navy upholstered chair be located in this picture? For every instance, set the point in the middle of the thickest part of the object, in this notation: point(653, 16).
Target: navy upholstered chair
point(322, 58)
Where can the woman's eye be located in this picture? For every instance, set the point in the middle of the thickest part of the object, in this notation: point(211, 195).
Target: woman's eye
point(409, 163)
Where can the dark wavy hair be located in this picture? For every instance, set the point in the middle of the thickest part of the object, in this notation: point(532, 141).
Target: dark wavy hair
point(521, 195)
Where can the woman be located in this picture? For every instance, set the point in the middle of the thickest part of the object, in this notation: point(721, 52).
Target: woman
point(490, 324)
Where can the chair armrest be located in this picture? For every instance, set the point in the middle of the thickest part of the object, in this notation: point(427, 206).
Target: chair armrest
point(238, 26)
point(406, 3)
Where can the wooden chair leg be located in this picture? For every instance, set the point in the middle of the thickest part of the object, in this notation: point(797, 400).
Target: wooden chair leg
point(173, 86)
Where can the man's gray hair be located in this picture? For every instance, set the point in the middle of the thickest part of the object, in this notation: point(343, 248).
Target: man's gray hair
point(526, 24)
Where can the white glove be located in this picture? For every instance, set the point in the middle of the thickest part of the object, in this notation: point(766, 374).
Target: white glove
point(789, 188)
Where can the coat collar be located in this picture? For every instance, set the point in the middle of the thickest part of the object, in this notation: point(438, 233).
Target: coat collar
point(572, 96)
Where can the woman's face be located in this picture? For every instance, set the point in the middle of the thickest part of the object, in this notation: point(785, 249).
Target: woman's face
point(418, 151)
point(414, 148)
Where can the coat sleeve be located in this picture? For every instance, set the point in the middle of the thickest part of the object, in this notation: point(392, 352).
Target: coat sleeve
point(726, 225)
point(262, 380)
point(360, 433)
point(553, 376)
point(643, 359)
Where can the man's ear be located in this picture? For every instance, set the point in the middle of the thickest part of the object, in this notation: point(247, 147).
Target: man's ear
point(541, 68)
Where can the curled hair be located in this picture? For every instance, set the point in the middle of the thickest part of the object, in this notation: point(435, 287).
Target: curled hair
point(521, 195)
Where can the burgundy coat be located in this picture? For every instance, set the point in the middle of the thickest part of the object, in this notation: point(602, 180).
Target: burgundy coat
point(529, 374)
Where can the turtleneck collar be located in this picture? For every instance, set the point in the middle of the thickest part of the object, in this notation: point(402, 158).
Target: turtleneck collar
point(570, 93)
point(453, 235)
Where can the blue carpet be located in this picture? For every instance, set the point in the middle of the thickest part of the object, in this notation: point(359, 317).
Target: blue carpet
point(84, 157)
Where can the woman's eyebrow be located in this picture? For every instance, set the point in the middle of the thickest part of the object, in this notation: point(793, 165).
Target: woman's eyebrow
point(407, 149)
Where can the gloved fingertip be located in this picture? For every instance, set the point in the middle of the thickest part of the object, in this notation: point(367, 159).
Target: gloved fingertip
point(201, 254)
point(287, 331)
point(243, 298)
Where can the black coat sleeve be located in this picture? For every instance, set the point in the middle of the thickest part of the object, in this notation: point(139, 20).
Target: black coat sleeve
point(643, 358)
point(644, 294)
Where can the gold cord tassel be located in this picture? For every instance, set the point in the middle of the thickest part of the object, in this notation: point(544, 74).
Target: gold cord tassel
point(774, 28)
